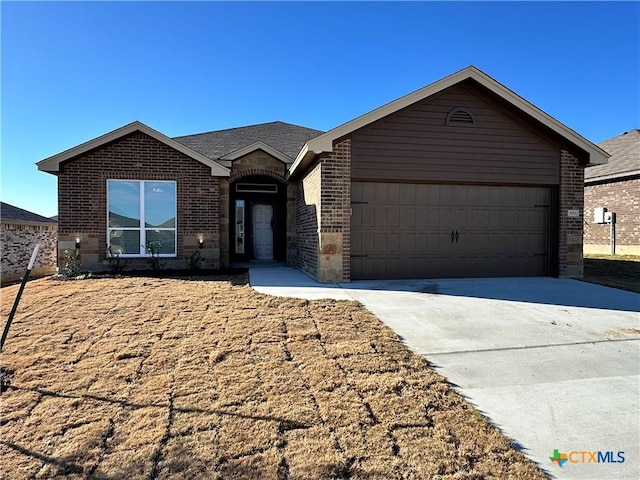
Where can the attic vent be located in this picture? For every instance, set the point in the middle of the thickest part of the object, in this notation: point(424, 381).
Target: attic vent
point(460, 116)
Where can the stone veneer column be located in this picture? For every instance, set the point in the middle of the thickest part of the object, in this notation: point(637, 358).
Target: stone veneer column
point(570, 228)
point(334, 232)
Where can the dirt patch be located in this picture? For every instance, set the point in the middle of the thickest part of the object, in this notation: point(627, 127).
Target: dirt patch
point(613, 271)
point(6, 377)
point(172, 378)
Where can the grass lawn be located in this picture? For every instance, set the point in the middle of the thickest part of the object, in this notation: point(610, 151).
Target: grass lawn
point(618, 271)
point(144, 378)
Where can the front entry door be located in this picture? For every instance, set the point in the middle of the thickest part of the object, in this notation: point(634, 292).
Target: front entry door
point(262, 232)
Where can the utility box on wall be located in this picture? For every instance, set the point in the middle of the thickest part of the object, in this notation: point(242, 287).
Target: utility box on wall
point(609, 217)
point(599, 215)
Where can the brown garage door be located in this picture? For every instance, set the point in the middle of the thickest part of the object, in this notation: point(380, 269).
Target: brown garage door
point(431, 231)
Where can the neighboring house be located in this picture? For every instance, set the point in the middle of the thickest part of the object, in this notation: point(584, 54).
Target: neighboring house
point(20, 231)
point(616, 187)
point(461, 178)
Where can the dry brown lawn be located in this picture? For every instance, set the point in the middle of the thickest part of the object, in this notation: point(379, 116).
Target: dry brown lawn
point(144, 378)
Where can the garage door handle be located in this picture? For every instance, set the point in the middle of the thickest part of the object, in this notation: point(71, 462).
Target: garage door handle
point(456, 236)
point(452, 236)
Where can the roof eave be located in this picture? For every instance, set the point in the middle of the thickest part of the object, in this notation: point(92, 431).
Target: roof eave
point(31, 223)
point(614, 176)
point(52, 164)
point(303, 159)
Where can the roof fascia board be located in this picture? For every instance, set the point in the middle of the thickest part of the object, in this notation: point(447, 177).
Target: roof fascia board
point(614, 176)
point(258, 145)
point(31, 223)
point(324, 142)
point(304, 153)
point(52, 164)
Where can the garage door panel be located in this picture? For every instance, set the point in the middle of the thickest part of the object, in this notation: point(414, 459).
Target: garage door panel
point(394, 217)
point(380, 217)
point(502, 231)
point(368, 217)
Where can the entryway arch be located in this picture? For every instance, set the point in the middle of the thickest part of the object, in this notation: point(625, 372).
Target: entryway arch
point(258, 217)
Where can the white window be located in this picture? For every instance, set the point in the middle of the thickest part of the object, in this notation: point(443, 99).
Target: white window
point(141, 217)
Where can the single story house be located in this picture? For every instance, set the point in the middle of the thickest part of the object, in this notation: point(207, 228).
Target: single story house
point(20, 231)
point(616, 187)
point(462, 178)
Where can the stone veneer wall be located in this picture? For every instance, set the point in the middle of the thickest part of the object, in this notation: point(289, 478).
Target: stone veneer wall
point(258, 162)
point(570, 262)
point(623, 198)
point(82, 199)
point(16, 247)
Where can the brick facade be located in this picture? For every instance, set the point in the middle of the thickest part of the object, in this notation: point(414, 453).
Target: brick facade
point(323, 217)
point(16, 246)
point(335, 214)
point(82, 199)
point(623, 198)
point(308, 221)
point(225, 200)
point(571, 197)
point(292, 191)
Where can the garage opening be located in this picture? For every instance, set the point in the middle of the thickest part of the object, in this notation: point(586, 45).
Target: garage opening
point(442, 231)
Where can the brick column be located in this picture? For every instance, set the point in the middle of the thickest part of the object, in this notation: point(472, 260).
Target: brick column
point(291, 224)
point(570, 228)
point(334, 232)
point(224, 223)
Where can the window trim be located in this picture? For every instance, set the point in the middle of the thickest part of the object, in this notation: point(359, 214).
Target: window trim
point(142, 228)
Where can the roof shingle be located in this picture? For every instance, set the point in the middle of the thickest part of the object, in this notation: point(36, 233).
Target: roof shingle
point(284, 137)
point(625, 158)
point(9, 212)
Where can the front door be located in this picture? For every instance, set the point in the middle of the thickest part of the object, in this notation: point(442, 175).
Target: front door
point(262, 232)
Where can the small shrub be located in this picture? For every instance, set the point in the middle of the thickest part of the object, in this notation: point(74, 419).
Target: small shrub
point(154, 261)
point(116, 264)
point(195, 259)
point(72, 263)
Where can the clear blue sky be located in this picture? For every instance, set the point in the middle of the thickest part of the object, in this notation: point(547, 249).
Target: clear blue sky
point(73, 71)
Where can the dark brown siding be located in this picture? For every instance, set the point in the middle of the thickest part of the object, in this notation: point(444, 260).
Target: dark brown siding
point(415, 145)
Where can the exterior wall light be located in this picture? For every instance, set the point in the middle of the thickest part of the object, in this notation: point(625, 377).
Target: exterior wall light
point(201, 242)
point(77, 243)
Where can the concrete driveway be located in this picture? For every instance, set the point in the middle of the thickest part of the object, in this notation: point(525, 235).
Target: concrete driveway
point(554, 363)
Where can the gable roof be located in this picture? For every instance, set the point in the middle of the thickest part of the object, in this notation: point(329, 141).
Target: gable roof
point(19, 215)
point(282, 137)
point(624, 161)
point(324, 142)
point(52, 164)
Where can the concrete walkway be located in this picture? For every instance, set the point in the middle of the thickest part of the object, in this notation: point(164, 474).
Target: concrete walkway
point(554, 363)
